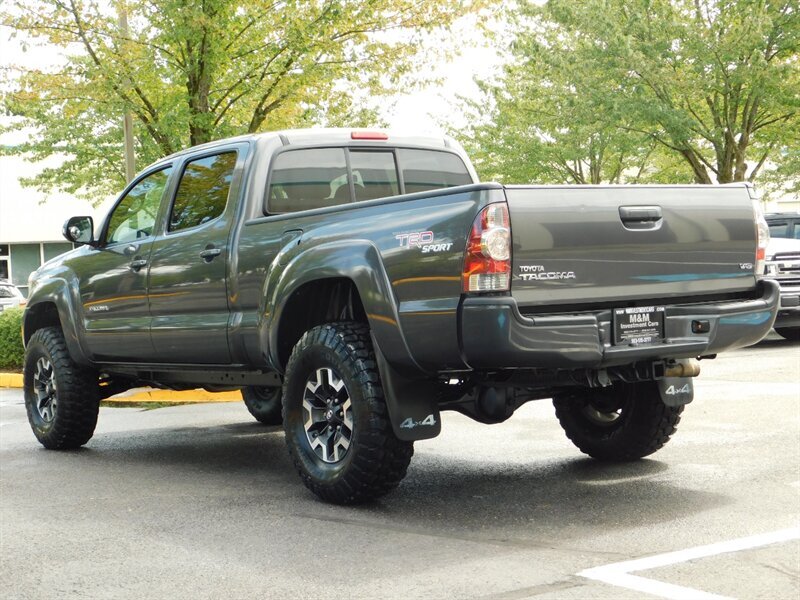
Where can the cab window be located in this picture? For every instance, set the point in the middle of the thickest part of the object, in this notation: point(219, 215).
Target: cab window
point(308, 178)
point(203, 191)
point(135, 215)
point(425, 170)
point(374, 174)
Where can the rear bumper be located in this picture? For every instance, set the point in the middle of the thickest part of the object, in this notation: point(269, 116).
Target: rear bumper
point(494, 334)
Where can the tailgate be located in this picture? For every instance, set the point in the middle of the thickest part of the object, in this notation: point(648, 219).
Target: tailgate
point(582, 244)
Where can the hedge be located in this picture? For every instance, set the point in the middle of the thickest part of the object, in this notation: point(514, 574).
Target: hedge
point(11, 350)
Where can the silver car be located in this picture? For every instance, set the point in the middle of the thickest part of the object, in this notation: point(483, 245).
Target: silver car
point(10, 296)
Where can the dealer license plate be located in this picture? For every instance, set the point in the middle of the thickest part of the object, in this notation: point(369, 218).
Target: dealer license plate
point(639, 325)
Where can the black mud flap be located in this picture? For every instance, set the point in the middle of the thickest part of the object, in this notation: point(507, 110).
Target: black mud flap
point(412, 405)
point(676, 391)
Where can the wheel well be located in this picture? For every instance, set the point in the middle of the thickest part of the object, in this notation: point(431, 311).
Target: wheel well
point(313, 304)
point(38, 316)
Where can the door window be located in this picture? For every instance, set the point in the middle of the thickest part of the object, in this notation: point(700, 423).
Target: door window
point(203, 191)
point(135, 215)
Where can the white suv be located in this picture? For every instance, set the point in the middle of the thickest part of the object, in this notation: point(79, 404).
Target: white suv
point(10, 296)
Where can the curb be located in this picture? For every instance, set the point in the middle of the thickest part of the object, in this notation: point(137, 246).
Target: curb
point(10, 380)
point(138, 395)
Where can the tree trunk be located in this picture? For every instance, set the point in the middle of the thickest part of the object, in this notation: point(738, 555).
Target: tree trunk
point(698, 168)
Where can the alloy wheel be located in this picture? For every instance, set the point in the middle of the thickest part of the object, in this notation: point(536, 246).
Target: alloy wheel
point(327, 415)
point(44, 385)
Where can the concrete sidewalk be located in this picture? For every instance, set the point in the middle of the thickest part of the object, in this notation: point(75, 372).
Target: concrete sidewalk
point(139, 395)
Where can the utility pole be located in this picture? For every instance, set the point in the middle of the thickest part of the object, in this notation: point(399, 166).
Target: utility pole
point(127, 119)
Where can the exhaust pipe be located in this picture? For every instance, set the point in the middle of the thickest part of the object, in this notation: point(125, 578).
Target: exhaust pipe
point(689, 367)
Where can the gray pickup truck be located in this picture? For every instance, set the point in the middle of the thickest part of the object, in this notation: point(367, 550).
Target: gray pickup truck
point(355, 284)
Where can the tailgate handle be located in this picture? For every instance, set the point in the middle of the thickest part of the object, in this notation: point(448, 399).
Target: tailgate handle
point(640, 215)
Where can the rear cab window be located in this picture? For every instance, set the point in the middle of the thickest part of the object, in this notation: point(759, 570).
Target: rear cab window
point(309, 178)
point(425, 170)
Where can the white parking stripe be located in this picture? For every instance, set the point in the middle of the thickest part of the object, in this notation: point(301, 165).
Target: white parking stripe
point(619, 574)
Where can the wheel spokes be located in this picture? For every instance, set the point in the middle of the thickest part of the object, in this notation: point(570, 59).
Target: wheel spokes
point(327, 415)
point(44, 386)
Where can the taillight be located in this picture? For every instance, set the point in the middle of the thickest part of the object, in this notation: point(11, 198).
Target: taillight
point(762, 238)
point(487, 263)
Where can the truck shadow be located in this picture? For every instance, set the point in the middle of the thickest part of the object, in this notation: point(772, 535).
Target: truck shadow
point(450, 496)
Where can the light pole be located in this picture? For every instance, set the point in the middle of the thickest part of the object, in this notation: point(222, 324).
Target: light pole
point(127, 119)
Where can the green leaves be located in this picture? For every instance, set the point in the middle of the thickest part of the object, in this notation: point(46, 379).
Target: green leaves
point(609, 90)
point(12, 351)
point(190, 71)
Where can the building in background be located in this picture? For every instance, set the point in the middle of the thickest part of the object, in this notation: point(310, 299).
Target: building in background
point(31, 222)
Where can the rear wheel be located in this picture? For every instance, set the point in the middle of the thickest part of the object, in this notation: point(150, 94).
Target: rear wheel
point(790, 333)
point(621, 423)
point(264, 403)
point(62, 399)
point(335, 418)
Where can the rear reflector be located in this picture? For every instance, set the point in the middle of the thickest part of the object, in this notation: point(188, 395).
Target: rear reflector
point(368, 135)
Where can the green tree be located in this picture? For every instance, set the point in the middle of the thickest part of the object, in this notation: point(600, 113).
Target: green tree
point(715, 83)
point(544, 123)
point(190, 71)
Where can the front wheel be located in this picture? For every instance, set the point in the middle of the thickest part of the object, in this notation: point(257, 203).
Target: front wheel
point(336, 422)
point(789, 333)
point(61, 398)
point(264, 403)
point(623, 422)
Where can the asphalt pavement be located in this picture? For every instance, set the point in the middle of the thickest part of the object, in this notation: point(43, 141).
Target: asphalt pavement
point(200, 501)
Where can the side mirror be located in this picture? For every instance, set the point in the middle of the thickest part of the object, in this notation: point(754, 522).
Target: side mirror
point(79, 230)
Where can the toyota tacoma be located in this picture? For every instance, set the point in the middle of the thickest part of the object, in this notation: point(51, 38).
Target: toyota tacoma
point(356, 284)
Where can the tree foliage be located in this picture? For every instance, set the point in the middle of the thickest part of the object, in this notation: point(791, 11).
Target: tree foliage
point(603, 90)
point(12, 351)
point(191, 71)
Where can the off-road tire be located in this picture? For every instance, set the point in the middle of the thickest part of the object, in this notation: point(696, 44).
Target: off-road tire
point(376, 460)
point(643, 425)
point(789, 333)
point(264, 403)
point(77, 395)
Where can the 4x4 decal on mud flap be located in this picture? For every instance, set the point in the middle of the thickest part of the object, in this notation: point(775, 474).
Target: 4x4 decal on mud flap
point(676, 391)
point(410, 423)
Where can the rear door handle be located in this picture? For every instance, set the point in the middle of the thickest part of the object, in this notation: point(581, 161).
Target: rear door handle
point(640, 217)
point(138, 263)
point(210, 253)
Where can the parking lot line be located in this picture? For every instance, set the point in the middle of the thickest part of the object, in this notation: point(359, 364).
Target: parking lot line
point(619, 574)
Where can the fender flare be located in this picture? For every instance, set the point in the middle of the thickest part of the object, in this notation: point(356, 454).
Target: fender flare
point(408, 389)
point(58, 291)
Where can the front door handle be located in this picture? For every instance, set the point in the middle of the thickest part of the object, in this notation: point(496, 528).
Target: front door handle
point(138, 263)
point(210, 253)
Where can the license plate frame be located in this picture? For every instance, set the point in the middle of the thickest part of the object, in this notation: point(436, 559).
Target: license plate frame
point(638, 325)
